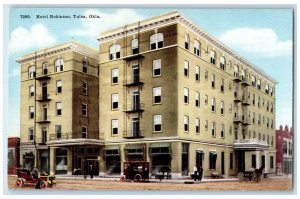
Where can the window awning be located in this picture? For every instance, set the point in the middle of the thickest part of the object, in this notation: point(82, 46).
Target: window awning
point(160, 145)
point(112, 147)
point(134, 146)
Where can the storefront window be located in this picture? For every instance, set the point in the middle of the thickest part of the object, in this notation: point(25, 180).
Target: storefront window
point(61, 161)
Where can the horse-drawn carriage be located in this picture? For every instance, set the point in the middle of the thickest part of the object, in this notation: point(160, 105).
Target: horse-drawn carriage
point(41, 181)
point(135, 170)
point(254, 175)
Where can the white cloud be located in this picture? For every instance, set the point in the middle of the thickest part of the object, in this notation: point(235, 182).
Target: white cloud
point(36, 37)
point(264, 42)
point(93, 26)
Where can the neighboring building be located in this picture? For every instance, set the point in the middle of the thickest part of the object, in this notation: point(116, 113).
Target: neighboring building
point(13, 158)
point(284, 150)
point(173, 95)
point(167, 92)
point(59, 108)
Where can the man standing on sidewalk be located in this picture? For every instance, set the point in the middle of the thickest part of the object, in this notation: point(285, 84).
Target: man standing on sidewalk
point(195, 172)
point(91, 171)
point(200, 170)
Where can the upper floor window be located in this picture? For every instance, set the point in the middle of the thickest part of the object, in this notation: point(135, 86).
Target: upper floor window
point(213, 79)
point(114, 52)
point(58, 131)
point(206, 99)
point(58, 86)
point(222, 85)
point(197, 99)
point(84, 132)
point(30, 134)
point(197, 47)
point(186, 95)
point(85, 88)
point(206, 125)
point(212, 159)
point(157, 95)
point(197, 124)
point(31, 112)
point(156, 67)
point(222, 108)
point(114, 101)
point(187, 42)
point(114, 127)
point(271, 91)
point(213, 129)
point(135, 46)
point(31, 72)
point(156, 41)
point(236, 71)
point(259, 84)
point(222, 130)
point(59, 65)
point(58, 108)
point(114, 75)
point(267, 89)
point(31, 91)
point(212, 57)
point(213, 104)
point(45, 68)
point(186, 68)
point(197, 74)
point(253, 81)
point(222, 63)
point(243, 74)
point(85, 65)
point(157, 123)
point(84, 110)
point(186, 123)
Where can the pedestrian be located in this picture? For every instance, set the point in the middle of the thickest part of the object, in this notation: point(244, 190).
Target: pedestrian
point(91, 171)
point(195, 172)
point(200, 173)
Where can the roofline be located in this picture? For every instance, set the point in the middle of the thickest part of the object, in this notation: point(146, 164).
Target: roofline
point(177, 17)
point(62, 47)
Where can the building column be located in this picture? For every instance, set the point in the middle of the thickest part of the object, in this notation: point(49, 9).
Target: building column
point(69, 160)
point(52, 158)
point(176, 160)
point(102, 162)
point(267, 165)
point(122, 157)
point(257, 159)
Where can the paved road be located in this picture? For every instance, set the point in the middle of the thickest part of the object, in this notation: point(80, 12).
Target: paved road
point(280, 184)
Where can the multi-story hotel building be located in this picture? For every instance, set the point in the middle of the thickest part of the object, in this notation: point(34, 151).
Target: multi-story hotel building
point(173, 95)
point(169, 93)
point(60, 108)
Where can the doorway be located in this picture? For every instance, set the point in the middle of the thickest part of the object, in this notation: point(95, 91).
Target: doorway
point(222, 163)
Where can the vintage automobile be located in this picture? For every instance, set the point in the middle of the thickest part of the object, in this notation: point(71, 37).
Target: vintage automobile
point(41, 181)
point(137, 171)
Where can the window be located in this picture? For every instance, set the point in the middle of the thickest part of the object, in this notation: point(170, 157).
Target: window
point(114, 52)
point(222, 85)
point(231, 161)
point(31, 112)
point(212, 159)
point(236, 136)
point(31, 72)
point(114, 75)
point(222, 108)
point(258, 102)
point(259, 84)
point(84, 132)
point(197, 47)
point(267, 89)
point(222, 130)
point(30, 134)
point(206, 99)
point(186, 123)
point(197, 99)
point(186, 95)
point(197, 74)
point(212, 57)
point(272, 141)
point(197, 124)
point(31, 91)
point(58, 108)
point(253, 118)
point(253, 165)
point(271, 91)
point(253, 81)
point(213, 104)
point(259, 118)
point(230, 108)
point(84, 88)
point(222, 63)
point(268, 105)
point(243, 75)
point(213, 129)
point(135, 46)
point(135, 74)
point(213, 79)
point(253, 99)
point(271, 162)
point(156, 67)
point(84, 110)
point(114, 127)
point(156, 41)
point(59, 65)
point(58, 131)
point(114, 101)
point(206, 125)
point(157, 121)
point(45, 68)
point(186, 68)
point(206, 75)
point(271, 108)
point(85, 65)
point(157, 95)
point(58, 86)
point(259, 136)
point(236, 71)
point(187, 41)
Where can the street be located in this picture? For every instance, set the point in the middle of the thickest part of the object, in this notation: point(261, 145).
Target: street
point(270, 184)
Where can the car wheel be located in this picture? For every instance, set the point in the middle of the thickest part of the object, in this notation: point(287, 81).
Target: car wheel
point(19, 182)
point(43, 184)
point(137, 178)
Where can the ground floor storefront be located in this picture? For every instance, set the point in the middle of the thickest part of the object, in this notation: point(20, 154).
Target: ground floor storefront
point(176, 158)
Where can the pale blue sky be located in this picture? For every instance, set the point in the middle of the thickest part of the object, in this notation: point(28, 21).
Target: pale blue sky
point(272, 27)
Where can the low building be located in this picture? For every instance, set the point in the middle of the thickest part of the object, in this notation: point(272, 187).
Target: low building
point(284, 150)
point(13, 158)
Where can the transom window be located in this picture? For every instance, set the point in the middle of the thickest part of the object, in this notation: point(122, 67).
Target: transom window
point(212, 57)
point(114, 52)
point(59, 65)
point(156, 41)
point(197, 47)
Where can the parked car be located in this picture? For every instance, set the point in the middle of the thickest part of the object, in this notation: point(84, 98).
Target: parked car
point(135, 170)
